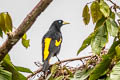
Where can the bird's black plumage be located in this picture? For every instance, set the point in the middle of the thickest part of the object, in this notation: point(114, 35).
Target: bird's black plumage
point(51, 42)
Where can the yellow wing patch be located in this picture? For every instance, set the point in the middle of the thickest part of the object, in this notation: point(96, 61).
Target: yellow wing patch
point(46, 49)
point(57, 43)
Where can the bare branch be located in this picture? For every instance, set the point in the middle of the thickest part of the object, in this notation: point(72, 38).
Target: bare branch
point(15, 36)
point(115, 5)
point(67, 60)
point(73, 59)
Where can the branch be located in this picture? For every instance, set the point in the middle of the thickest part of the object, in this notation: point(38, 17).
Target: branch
point(115, 5)
point(67, 60)
point(15, 36)
point(73, 59)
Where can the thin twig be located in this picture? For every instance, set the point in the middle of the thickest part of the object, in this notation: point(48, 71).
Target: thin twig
point(73, 59)
point(115, 5)
point(67, 60)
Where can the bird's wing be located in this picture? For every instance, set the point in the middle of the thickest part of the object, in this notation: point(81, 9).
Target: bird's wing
point(45, 47)
point(51, 46)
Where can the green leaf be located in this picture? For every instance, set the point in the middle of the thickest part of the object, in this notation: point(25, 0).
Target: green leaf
point(117, 49)
point(8, 22)
point(69, 72)
point(112, 48)
point(112, 27)
point(21, 77)
point(5, 22)
point(86, 15)
point(112, 15)
point(5, 75)
point(54, 69)
point(59, 78)
point(85, 43)
point(81, 75)
point(2, 23)
point(23, 69)
point(95, 11)
point(49, 77)
point(100, 22)
point(99, 40)
point(105, 63)
point(25, 42)
point(7, 64)
point(115, 74)
point(104, 8)
point(1, 33)
point(24, 36)
point(100, 68)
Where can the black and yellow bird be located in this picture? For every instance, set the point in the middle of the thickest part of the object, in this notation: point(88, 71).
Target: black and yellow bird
point(51, 42)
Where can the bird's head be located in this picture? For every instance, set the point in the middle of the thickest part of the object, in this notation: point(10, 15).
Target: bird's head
point(59, 23)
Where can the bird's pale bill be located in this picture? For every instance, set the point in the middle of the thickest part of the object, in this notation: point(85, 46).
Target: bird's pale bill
point(65, 23)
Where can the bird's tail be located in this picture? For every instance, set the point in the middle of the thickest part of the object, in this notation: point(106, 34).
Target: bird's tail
point(45, 66)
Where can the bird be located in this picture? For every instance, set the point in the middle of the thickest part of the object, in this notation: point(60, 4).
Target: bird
point(51, 43)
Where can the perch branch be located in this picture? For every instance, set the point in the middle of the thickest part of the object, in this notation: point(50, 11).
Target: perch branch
point(67, 60)
point(15, 36)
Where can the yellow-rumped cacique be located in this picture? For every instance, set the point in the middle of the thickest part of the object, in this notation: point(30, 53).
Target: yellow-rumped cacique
point(51, 43)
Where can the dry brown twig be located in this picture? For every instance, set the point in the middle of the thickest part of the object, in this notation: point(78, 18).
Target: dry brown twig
point(62, 61)
point(115, 6)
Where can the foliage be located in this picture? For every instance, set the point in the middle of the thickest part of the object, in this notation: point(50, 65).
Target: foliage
point(104, 66)
point(81, 74)
point(14, 70)
point(8, 71)
point(115, 73)
point(103, 16)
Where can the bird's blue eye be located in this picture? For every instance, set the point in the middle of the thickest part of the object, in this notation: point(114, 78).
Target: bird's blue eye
point(60, 21)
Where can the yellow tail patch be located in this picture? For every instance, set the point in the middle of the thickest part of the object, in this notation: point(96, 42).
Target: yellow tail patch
point(57, 43)
point(46, 49)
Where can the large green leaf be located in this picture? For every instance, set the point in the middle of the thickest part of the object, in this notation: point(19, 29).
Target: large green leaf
point(23, 69)
point(100, 68)
point(104, 64)
point(5, 75)
point(85, 43)
point(81, 75)
point(104, 8)
point(99, 40)
point(112, 27)
point(95, 11)
point(7, 64)
point(86, 15)
point(115, 74)
point(25, 41)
